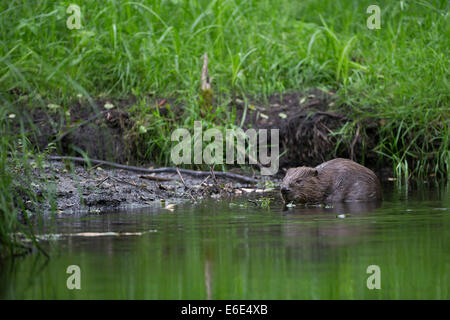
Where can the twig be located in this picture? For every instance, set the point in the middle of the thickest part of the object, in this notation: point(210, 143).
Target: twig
point(155, 178)
point(143, 187)
point(185, 186)
point(94, 167)
point(211, 168)
point(125, 182)
point(206, 84)
point(205, 180)
point(353, 143)
point(188, 192)
point(181, 177)
point(100, 183)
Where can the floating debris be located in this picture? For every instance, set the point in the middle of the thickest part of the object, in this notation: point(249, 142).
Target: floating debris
point(290, 205)
point(249, 190)
point(170, 207)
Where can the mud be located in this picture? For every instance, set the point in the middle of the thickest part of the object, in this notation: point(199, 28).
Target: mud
point(76, 189)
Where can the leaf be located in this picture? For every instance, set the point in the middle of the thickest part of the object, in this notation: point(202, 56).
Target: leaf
point(108, 105)
point(282, 115)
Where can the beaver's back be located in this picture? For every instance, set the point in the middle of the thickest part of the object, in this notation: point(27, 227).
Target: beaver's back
point(349, 181)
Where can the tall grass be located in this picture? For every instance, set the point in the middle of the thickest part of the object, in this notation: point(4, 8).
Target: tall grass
point(19, 202)
point(396, 76)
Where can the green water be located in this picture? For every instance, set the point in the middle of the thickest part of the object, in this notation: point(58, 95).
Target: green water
point(231, 249)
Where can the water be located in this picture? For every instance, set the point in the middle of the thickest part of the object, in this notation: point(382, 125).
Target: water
point(234, 250)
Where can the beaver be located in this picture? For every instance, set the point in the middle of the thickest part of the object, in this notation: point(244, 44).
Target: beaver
point(332, 181)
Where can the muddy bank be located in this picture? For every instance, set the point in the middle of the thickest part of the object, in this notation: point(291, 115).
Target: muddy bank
point(71, 188)
point(84, 125)
point(307, 122)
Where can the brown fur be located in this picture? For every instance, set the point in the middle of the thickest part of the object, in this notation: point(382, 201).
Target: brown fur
point(332, 181)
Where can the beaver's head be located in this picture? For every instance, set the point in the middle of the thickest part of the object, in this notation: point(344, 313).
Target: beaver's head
point(302, 185)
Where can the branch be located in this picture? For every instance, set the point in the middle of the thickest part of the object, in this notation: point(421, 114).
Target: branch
point(193, 173)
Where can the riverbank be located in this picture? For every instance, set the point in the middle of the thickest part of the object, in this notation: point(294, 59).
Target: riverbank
point(73, 189)
point(310, 124)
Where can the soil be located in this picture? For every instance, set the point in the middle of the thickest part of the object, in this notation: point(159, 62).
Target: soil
point(98, 132)
point(306, 120)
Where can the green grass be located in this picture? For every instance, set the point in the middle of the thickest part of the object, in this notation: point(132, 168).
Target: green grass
point(19, 204)
point(396, 76)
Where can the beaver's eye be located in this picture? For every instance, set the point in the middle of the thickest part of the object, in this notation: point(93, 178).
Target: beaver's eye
point(299, 181)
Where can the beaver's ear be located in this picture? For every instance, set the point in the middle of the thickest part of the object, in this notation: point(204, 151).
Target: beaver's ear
point(315, 173)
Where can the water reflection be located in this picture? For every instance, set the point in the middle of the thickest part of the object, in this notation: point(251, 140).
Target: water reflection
point(235, 250)
point(357, 208)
